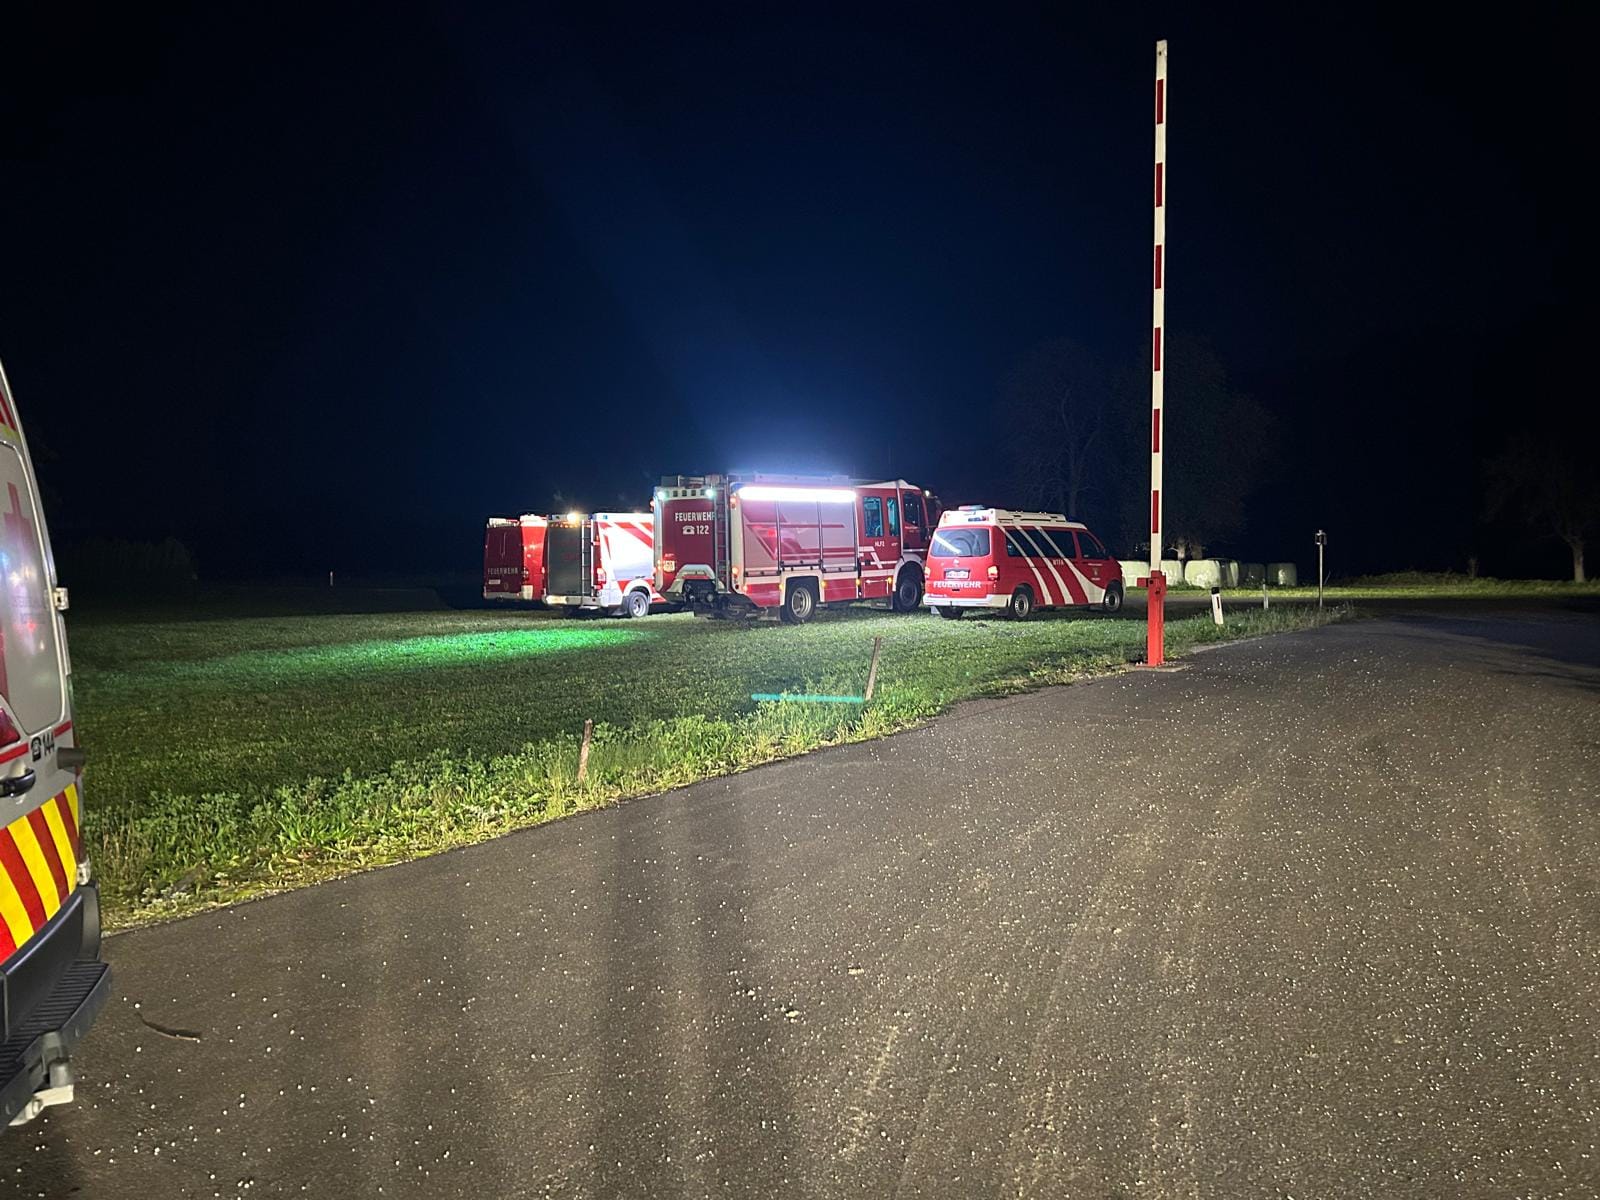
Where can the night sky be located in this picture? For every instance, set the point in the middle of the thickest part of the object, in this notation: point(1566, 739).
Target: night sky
point(315, 291)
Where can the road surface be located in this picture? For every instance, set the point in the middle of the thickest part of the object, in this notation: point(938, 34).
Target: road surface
point(1316, 916)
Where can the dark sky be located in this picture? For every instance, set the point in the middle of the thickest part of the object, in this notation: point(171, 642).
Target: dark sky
point(316, 290)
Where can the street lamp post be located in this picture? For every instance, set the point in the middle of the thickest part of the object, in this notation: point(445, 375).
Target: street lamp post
point(1322, 544)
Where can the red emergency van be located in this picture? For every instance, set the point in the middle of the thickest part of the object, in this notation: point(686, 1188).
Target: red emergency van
point(1018, 561)
point(741, 545)
point(513, 558)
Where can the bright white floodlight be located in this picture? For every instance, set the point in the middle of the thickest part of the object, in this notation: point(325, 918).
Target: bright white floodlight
point(758, 491)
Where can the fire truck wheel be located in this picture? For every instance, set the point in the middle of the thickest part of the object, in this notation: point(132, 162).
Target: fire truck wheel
point(1021, 606)
point(1113, 600)
point(949, 612)
point(908, 591)
point(636, 603)
point(799, 602)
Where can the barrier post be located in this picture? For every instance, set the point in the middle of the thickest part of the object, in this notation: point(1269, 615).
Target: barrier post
point(1155, 639)
point(1155, 619)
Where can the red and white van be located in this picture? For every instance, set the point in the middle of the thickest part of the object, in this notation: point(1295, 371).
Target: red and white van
point(581, 561)
point(732, 545)
point(1018, 561)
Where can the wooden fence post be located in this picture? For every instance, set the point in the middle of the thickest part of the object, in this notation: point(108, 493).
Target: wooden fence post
point(583, 751)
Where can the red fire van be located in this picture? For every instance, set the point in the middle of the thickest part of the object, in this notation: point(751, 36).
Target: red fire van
point(1018, 561)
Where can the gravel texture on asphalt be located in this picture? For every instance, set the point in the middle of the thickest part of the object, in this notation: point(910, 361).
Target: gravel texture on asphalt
point(1318, 915)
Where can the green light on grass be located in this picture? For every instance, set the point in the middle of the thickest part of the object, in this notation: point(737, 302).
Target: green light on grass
point(805, 698)
point(354, 659)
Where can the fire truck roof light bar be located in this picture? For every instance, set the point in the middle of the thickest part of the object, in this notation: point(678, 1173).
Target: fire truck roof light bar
point(756, 491)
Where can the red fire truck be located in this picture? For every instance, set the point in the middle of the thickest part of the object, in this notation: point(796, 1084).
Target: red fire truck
point(740, 545)
point(580, 562)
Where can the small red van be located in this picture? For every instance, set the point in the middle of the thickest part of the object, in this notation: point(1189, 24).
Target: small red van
point(1019, 561)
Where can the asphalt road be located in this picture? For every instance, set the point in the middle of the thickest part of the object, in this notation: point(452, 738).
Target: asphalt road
point(1317, 916)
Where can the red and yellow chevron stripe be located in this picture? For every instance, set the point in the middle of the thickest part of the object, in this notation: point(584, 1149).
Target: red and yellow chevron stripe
point(39, 856)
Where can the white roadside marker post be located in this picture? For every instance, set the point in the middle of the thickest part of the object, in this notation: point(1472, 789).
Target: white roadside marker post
point(1216, 605)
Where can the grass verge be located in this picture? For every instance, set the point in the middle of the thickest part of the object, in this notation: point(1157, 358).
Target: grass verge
point(1421, 585)
point(232, 758)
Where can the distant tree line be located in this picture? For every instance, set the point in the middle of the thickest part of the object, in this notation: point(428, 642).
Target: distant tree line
point(1077, 432)
point(104, 564)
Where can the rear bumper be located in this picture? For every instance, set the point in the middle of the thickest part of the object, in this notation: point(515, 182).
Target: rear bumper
point(53, 988)
point(966, 601)
point(499, 594)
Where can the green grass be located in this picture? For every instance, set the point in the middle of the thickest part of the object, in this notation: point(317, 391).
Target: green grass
point(1423, 585)
point(228, 757)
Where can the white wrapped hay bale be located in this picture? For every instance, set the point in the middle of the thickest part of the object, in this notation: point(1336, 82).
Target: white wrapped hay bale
point(1203, 573)
point(1133, 570)
point(1283, 575)
point(1230, 573)
point(1172, 568)
point(1252, 574)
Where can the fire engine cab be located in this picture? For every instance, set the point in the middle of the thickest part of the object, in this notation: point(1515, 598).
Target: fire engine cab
point(1018, 561)
point(583, 562)
point(742, 545)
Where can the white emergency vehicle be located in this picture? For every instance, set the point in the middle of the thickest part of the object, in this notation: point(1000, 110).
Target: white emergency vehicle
point(52, 982)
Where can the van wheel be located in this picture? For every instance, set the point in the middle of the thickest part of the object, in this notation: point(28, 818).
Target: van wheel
point(949, 612)
point(636, 603)
point(1113, 599)
point(908, 591)
point(1021, 606)
point(799, 602)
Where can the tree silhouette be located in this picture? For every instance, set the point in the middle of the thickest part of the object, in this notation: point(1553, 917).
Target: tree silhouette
point(1216, 440)
point(1054, 415)
point(1548, 482)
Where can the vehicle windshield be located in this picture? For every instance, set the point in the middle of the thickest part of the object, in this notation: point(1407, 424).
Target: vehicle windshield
point(961, 543)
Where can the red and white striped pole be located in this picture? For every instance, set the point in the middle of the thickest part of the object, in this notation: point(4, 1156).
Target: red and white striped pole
point(1155, 638)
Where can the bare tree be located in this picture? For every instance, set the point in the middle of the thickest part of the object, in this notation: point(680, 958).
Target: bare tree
point(1055, 405)
point(1549, 484)
point(1219, 445)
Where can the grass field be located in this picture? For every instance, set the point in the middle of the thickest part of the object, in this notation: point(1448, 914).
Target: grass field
point(230, 756)
point(1420, 585)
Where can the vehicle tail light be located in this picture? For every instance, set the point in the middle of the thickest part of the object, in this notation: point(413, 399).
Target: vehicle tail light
point(994, 573)
point(599, 574)
point(8, 729)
